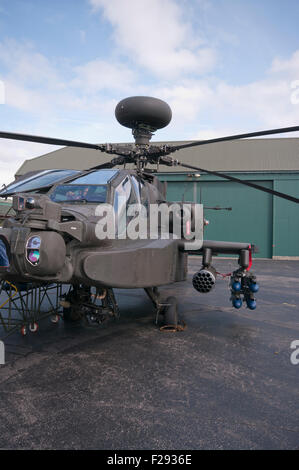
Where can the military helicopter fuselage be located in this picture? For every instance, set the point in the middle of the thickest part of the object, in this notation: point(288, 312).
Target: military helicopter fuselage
point(53, 236)
point(56, 233)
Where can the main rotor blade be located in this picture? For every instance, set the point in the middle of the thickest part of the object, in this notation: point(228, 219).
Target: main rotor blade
point(48, 140)
point(283, 130)
point(246, 183)
point(103, 166)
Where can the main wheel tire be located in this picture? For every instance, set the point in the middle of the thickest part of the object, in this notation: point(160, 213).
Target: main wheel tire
point(33, 327)
point(24, 331)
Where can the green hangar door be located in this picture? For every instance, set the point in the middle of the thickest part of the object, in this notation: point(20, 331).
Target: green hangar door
point(251, 217)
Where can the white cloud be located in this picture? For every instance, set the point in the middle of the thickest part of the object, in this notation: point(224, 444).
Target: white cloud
point(23, 98)
point(14, 153)
point(27, 65)
point(157, 36)
point(218, 105)
point(100, 75)
point(40, 86)
point(287, 65)
point(187, 99)
point(48, 93)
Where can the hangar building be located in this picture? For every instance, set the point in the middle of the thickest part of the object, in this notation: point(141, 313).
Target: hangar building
point(265, 220)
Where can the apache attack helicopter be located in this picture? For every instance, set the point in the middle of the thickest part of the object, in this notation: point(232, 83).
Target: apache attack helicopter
point(51, 242)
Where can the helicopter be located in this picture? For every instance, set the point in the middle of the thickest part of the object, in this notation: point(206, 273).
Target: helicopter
point(70, 230)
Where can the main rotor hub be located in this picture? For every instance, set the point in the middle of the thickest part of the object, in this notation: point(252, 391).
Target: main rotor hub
point(144, 115)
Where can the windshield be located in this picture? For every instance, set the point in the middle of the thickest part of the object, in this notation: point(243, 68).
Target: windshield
point(96, 177)
point(43, 179)
point(80, 193)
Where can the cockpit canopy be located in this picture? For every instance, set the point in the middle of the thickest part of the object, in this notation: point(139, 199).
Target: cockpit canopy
point(92, 183)
point(39, 180)
point(91, 187)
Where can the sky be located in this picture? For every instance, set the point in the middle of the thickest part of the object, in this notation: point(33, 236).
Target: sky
point(224, 67)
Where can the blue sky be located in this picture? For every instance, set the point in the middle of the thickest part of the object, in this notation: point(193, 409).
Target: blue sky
point(224, 66)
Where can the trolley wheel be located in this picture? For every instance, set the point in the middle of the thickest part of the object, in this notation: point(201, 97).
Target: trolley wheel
point(55, 319)
point(23, 330)
point(170, 320)
point(33, 327)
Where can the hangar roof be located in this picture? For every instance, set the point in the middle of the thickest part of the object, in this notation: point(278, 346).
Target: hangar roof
point(242, 155)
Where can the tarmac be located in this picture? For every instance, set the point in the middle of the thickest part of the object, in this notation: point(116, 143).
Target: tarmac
point(225, 382)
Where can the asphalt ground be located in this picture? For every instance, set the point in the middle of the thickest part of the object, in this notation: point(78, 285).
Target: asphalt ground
point(226, 382)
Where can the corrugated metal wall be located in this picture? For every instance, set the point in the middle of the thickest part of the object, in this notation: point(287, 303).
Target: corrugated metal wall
point(269, 222)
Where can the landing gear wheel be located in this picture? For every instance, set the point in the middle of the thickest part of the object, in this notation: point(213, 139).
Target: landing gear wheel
point(55, 319)
point(170, 317)
point(33, 327)
point(23, 331)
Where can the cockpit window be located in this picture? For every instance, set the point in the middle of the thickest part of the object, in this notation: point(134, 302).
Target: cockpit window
point(40, 180)
point(91, 187)
point(96, 177)
point(80, 193)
